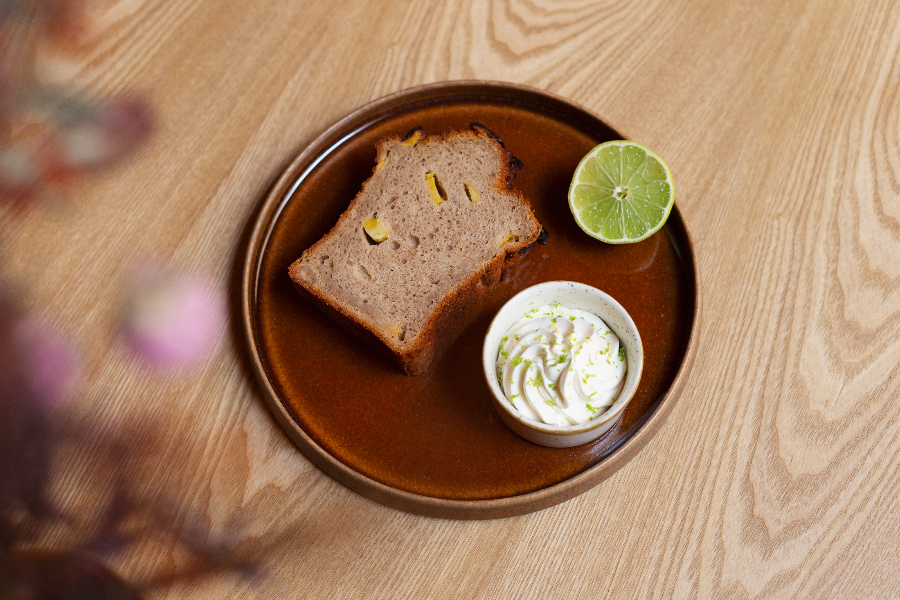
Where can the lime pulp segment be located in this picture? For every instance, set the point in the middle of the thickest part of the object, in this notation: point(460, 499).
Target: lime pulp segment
point(621, 192)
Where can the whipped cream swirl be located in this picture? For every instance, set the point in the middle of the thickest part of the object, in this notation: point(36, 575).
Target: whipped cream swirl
point(561, 366)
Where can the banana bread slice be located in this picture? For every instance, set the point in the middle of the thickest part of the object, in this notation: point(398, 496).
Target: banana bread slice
point(429, 231)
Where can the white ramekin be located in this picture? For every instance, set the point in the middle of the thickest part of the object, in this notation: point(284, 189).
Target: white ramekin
point(571, 295)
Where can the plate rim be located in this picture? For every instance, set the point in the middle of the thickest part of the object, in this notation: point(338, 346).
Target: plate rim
point(267, 215)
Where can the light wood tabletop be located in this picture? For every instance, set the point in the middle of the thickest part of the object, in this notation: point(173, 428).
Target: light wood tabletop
point(776, 474)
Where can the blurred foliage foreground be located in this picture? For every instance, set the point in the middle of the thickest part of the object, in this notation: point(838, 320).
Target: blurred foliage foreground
point(50, 136)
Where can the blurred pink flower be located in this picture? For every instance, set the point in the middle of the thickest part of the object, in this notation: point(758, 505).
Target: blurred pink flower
point(172, 321)
point(51, 364)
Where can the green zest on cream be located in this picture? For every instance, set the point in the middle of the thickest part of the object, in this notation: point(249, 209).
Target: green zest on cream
point(549, 369)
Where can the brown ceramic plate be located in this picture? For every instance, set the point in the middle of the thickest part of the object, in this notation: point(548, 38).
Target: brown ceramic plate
point(432, 444)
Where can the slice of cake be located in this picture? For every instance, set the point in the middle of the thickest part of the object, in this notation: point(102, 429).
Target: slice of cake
point(431, 228)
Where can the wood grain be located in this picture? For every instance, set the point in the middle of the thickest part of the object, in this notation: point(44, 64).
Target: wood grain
point(777, 474)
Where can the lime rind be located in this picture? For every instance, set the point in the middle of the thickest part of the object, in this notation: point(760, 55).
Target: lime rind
point(633, 218)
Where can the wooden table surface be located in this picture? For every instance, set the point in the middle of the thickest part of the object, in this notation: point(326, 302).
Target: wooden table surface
point(776, 475)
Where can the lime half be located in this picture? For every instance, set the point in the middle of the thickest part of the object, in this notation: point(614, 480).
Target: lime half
point(621, 192)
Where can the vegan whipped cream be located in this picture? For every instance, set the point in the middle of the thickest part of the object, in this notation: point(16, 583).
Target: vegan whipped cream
point(560, 366)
